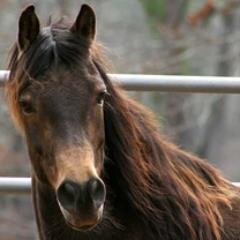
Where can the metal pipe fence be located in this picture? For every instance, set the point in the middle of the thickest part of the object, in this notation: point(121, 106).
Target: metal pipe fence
point(13, 185)
point(169, 83)
point(134, 82)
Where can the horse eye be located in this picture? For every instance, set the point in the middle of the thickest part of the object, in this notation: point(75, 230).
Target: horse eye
point(101, 96)
point(26, 105)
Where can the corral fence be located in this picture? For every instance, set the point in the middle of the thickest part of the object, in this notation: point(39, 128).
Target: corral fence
point(134, 82)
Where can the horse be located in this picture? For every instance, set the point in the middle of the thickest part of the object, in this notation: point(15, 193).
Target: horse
point(100, 167)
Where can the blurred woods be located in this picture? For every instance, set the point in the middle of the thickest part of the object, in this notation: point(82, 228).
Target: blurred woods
point(184, 37)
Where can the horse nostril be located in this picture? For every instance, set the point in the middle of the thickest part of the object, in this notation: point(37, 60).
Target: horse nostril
point(97, 191)
point(66, 194)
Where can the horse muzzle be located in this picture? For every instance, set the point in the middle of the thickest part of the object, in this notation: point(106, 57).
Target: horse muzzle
point(82, 204)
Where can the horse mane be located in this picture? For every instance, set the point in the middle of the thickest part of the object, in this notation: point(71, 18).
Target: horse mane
point(176, 192)
point(172, 191)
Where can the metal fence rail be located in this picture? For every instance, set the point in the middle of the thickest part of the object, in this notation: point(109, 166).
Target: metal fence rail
point(169, 83)
point(23, 185)
point(15, 185)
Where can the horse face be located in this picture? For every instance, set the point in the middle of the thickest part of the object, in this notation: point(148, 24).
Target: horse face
point(61, 112)
point(64, 128)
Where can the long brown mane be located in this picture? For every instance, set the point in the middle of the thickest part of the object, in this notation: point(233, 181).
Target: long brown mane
point(174, 190)
point(174, 193)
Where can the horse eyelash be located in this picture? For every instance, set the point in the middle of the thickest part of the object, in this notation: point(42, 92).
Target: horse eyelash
point(26, 106)
point(101, 96)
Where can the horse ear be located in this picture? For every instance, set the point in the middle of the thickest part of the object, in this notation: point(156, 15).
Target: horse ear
point(85, 24)
point(29, 28)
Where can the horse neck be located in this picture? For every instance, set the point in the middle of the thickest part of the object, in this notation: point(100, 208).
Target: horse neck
point(155, 178)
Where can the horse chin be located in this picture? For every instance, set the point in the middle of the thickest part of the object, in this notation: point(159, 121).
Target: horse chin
point(78, 224)
point(81, 228)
